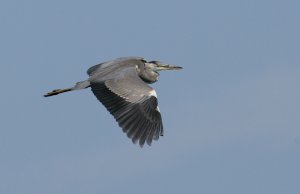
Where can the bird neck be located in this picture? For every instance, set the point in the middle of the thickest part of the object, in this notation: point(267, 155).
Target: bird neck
point(149, 76)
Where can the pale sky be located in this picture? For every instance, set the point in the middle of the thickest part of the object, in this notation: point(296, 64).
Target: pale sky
point(231, 117)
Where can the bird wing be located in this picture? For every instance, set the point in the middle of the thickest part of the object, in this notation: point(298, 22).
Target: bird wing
point(132, 103)
point(94, 69)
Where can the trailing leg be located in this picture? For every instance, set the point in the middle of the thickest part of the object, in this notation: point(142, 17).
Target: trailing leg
point(78, 86)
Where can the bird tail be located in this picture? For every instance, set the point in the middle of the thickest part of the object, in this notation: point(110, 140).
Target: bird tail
point(57, 91)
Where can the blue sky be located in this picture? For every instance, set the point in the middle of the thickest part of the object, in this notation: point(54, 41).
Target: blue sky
point(231, 117)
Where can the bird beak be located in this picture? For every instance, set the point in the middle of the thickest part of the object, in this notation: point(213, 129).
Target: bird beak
point(168, 67)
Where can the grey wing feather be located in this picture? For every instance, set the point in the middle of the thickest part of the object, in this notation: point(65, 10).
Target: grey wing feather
point(130, 101)
point(93, 69)
point(129, 86)
point(116, 62)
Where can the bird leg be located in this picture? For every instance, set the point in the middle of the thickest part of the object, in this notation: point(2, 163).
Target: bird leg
point(57, 91)
point(78, 86)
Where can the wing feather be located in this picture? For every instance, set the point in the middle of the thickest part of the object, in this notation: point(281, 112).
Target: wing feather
point(130, 101)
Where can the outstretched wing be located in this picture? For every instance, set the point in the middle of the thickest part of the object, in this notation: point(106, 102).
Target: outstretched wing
point(132, 103)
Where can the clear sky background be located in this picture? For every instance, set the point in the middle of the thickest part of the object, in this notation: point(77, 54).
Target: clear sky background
point(231, 117)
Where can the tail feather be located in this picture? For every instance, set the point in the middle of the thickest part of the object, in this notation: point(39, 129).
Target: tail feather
point(58, 91)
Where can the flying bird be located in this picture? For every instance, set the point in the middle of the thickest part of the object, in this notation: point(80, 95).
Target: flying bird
point(121, 85)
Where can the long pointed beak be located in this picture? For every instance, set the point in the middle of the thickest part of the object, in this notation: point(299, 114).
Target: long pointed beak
point(168, 67)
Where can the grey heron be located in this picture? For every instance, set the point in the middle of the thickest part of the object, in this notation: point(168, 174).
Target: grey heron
point(121, 85)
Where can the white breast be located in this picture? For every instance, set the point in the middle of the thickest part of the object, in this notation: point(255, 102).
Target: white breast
point(152, 93)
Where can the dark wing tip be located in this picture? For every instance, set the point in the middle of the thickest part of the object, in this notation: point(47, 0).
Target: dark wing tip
point(141, 121)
